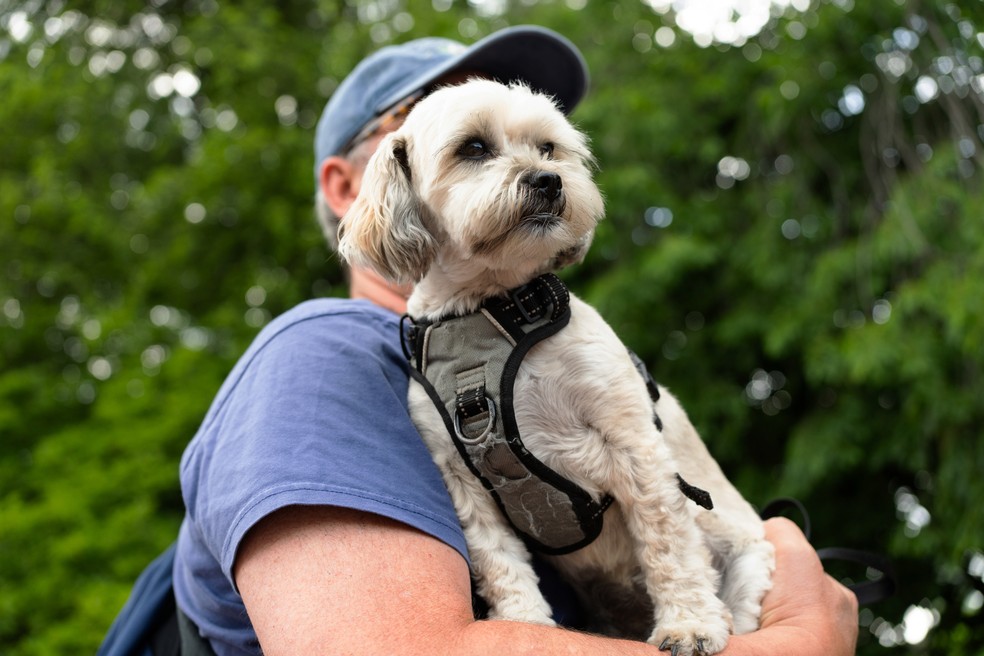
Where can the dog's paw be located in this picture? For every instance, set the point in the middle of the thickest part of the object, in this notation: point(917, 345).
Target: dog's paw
point(690, 639)
point(686, 634)
point(692, 644)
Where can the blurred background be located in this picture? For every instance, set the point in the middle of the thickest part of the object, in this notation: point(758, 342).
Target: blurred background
point(794, 244)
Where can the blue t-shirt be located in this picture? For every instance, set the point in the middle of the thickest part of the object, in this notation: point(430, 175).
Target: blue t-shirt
point(314, 413)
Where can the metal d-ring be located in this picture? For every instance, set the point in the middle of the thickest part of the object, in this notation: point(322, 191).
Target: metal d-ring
point(488, 428)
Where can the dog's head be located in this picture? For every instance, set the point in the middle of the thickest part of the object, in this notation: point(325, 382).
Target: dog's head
point(481, 176)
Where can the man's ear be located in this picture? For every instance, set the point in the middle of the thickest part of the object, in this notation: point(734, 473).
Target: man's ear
point(385, 228)
point(337, 181)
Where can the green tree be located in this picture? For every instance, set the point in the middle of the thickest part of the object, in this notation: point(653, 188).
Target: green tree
point(793, 243)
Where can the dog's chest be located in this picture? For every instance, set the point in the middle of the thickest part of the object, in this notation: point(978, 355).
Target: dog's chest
point(575, 392)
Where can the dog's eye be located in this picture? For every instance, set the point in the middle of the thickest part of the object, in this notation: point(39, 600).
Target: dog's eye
point(474, 149)
point(547, 150)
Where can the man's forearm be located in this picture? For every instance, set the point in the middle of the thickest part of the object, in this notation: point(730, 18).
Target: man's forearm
point(324, 580)
point(496, 637)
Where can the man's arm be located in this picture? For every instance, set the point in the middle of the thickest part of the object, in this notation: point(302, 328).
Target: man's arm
point(807, 612)
point(333, 580)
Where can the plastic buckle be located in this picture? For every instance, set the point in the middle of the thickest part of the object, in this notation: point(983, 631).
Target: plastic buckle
point(516, 296)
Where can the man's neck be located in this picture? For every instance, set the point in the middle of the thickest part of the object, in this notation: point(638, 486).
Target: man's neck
point(367, 284)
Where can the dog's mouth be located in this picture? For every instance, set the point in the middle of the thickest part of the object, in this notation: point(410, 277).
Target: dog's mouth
point(532, 221)
point(541, 220)
point(539, 214)
point(531, 226)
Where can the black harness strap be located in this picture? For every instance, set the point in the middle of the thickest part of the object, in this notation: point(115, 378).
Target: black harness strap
point(526, 305)
point(701, 497)
point(588, 511)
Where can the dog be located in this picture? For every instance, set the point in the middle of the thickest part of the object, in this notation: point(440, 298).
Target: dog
point(483, 188)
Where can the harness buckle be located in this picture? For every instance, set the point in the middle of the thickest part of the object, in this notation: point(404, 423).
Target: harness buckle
point(522, 294)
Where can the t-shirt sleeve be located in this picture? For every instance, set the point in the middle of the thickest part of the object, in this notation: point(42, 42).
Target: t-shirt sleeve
point(315, 414)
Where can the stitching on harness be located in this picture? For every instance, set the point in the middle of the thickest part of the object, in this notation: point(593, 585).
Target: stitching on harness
point(498, 326)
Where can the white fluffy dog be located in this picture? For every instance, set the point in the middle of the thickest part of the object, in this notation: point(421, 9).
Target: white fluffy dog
point(482, 189)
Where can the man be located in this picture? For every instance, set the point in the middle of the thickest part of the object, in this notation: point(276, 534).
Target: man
point(316, 522)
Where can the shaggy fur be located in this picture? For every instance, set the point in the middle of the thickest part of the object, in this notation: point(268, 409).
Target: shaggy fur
point(482, 189)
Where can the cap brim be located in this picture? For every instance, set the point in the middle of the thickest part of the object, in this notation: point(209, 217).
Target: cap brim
point(541, 58)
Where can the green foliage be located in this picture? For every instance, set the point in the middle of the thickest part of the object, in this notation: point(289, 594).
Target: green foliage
point(793, 243)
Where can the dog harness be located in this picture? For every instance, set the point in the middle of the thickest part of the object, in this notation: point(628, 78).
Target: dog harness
point(468, 365)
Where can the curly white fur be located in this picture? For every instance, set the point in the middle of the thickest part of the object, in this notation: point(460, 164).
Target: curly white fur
point(483, 188)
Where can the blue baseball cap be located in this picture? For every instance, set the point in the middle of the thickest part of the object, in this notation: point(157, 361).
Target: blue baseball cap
point(541, 58)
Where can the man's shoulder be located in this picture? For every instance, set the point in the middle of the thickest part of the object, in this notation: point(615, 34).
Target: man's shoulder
point(332, 310)
point(327, 338)
point(330, 320)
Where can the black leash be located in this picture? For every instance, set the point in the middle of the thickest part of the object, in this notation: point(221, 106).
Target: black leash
point(777, 507)
point(871, 591)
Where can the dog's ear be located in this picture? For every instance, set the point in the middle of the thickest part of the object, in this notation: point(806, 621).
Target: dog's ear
point(385, 227)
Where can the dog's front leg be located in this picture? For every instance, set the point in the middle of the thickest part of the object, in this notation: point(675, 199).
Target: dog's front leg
point(689, 616)
point(500, 561)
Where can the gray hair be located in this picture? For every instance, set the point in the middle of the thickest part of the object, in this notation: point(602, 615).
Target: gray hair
point(326, 219)
point(358, 157)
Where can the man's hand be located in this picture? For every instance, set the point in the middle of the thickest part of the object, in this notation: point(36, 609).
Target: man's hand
point(807, 612)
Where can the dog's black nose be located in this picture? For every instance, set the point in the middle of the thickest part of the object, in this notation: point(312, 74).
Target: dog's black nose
point(547, 184)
